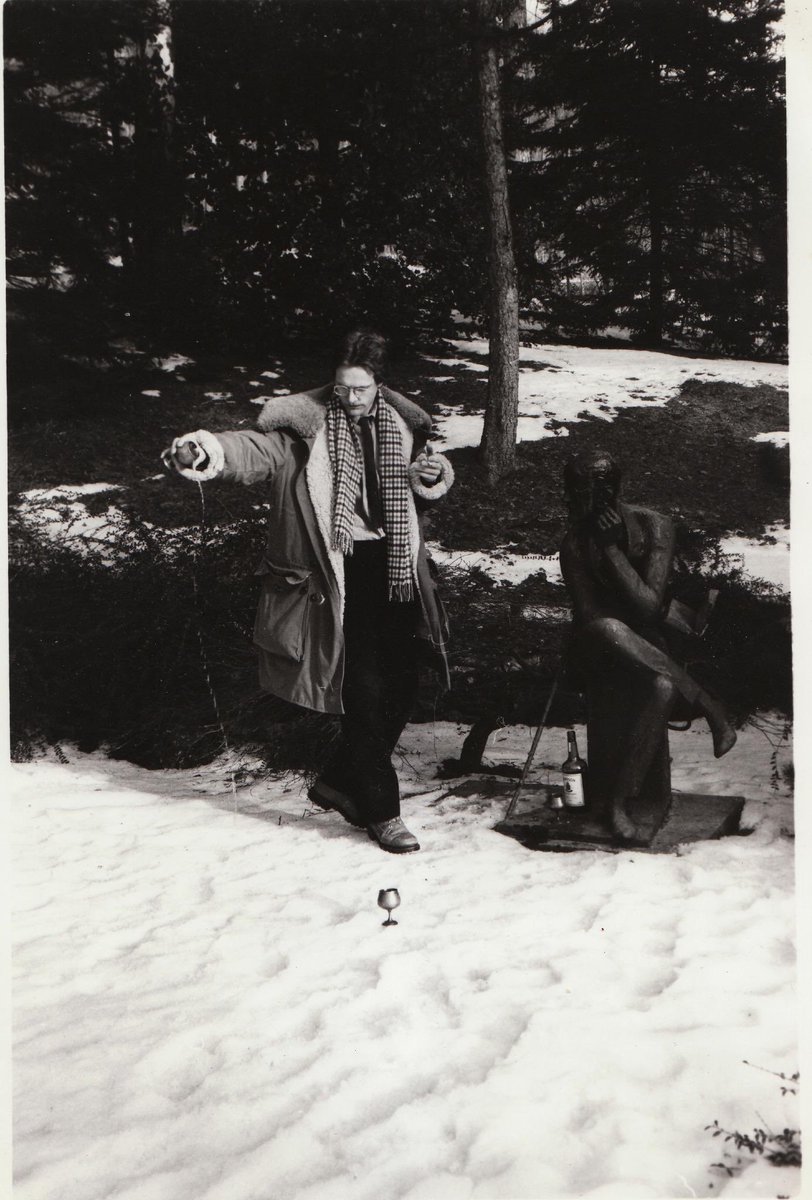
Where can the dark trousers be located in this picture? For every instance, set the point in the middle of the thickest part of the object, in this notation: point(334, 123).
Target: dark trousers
point(380, 683)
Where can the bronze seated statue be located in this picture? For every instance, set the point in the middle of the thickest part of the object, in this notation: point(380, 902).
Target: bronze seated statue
point(617, 559)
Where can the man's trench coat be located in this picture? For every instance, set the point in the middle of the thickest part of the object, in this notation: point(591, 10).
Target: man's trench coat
point(298, 626)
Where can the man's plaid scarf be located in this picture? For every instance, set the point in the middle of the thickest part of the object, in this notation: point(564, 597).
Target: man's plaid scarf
point(346, 457)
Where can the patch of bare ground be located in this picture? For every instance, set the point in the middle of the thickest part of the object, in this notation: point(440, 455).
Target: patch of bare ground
point(189, 619)
point(693, 458)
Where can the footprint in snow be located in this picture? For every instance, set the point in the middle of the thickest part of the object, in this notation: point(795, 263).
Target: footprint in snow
point(181, 1064)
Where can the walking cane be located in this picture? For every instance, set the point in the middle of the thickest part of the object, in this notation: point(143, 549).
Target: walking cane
point(536, 739)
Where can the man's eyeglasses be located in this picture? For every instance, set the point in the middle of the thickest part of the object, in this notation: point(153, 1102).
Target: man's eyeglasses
point(344, 393)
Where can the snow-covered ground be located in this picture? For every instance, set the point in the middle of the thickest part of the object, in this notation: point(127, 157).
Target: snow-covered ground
point(208, 1007)
point(568, 383)
point(766, 558)
point(60, 515)
point(503, 564)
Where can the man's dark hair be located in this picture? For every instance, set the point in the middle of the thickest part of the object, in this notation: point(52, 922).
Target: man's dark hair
point(363, 348)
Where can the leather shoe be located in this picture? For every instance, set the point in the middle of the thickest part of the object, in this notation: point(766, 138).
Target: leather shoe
point(392, 835)
point(328, 797)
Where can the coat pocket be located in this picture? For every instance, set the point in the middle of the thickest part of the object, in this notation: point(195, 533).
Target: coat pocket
point(283, 611)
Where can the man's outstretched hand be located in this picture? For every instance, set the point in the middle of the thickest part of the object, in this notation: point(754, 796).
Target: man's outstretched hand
point(184, 454)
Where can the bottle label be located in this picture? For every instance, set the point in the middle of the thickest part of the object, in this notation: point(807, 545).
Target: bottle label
point(574, 791)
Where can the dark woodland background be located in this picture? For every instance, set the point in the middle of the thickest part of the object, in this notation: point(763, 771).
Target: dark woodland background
point(239, 181)
point(234, 169)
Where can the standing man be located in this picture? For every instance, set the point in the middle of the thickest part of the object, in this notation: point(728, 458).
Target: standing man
point(348, 598)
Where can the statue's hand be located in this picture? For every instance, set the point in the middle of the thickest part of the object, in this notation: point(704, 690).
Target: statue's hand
point(607, 528)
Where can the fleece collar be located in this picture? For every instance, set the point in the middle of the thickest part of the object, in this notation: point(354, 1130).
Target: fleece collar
point(306, 412)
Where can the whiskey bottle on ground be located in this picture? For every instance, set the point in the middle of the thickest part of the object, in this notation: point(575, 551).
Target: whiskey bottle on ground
point(573, 772)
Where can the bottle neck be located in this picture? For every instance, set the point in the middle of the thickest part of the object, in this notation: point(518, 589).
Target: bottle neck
point(573, 761)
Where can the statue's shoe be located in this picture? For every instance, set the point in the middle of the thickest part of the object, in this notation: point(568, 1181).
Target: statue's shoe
point(623, 841)
point(625, 833)
point(723, 740)
point(393, 836)
point(328, 797)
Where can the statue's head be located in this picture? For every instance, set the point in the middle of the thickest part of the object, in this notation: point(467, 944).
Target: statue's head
point(591, 481)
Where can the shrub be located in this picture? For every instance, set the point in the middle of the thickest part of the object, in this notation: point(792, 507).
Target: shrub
point(781, 1149)
point(145, 648)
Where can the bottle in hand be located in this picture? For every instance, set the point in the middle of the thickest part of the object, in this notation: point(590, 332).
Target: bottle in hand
point(573, 771)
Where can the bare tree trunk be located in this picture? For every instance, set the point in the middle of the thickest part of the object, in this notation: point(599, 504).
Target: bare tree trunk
point(654, 185)
point(498, 446)
point(654, 324)
point(121, 190)
point(157, 206)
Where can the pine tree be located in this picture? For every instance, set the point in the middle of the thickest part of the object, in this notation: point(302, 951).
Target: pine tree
point(214, 167)
point(498, 446)
point(657, 129)
point(157, 201)
point(332, 156)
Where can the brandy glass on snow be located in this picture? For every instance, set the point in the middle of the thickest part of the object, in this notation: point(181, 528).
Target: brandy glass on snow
point(388, 898)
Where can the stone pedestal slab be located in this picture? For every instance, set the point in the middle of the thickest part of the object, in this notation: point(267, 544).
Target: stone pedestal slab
point(691, 817)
